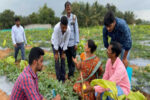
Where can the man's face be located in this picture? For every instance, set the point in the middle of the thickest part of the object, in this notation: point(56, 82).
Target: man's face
point(63, 28)
point(110, 54)
point(111, 27)
point(39, 64)
point(68, 8)
point(17, 23)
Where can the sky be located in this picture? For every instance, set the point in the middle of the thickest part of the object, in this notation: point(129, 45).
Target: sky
point(141, 8)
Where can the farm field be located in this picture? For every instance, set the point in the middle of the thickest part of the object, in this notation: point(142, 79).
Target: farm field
point(139, 59)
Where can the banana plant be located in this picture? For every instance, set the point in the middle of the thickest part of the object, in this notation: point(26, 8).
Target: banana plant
point(113, 91)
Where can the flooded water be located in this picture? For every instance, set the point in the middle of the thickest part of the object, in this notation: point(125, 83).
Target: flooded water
point(42, 41)
point(146, 42)
point(46, 62)
point(1, 48)
point(139, 62)
point(46, 48)
point(145, 85)
point(146, 89)
point(5, 85)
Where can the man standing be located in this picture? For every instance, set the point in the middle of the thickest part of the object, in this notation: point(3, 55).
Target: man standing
point(60, 39)
point(73, 40)
point(26, 85)
point(119, 31)
point(18, 38)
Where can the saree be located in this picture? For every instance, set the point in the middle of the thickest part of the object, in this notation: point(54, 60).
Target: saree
point(87, 67)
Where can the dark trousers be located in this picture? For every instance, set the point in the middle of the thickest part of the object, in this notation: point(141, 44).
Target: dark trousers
point(60, 66)
point(71, 52)
point(20, 47)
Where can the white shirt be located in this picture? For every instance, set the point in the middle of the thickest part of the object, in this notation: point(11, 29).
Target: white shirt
point(60, 40)
point(18, 34)
point(74, 36)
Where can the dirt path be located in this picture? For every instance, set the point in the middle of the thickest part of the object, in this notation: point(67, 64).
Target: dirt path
point(3, 96)
point(4, 53)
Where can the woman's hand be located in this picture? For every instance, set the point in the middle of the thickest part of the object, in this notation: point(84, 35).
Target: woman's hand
point(89, 89)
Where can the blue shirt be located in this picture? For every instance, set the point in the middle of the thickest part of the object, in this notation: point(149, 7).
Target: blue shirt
point(121, 34)
point(74, 36)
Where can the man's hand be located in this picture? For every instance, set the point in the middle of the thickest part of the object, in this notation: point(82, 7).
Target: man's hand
point(56, 56)
point(125, 61)
point(57, 97)
point(15, 45)
point(75, 47)
point(63, 55)
point(74, 60)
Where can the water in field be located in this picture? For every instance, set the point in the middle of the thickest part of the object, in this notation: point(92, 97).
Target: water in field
point(146, 42)
point(1, 48)
point(139, 62)
point(46, 48)
point(141, 85)
point(6, 85)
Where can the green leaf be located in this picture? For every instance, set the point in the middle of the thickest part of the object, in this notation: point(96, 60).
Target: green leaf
point(23, 64)
point(106, 85)
point(10, 60)
point(107, 93)
point(122, 97)
point(136, 96)
point(4, 43)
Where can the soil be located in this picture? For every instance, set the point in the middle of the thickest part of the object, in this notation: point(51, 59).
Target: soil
point(4, 96)
point(4, 53)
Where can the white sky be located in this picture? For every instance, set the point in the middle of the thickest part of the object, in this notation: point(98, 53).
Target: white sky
point(141, 8)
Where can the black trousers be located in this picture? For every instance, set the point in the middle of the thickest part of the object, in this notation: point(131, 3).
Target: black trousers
point(60, 66)
point(71, 52)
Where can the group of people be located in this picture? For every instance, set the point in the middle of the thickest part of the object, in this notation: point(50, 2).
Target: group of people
point(65, 39)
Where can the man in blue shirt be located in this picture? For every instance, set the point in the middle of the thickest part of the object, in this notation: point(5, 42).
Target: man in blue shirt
point(73, 40)
point(119, 31)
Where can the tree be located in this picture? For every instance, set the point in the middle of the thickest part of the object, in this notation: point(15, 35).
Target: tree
point(6, 19)
point(129, 17)
point(33, 18)
point(138, 21)
point(46, 15)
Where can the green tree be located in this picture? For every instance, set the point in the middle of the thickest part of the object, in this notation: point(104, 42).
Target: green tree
point(33, 18)
point(6, 19)
point(46, 15)
point(129, 17)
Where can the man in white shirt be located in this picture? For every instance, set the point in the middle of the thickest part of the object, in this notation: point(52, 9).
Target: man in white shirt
point(18, 38)
point(73, 40)
point(60, 39)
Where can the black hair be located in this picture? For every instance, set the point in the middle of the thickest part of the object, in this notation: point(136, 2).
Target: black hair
point(35, 54)
point(64, 20)
point(116, 48)
point(109, 18)
point(67, 3)
point(17, 19)
point(92, 45)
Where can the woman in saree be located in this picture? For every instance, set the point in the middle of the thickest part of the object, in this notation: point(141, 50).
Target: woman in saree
point(90, 68)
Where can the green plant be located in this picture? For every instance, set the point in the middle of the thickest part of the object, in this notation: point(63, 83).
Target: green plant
point(113, 91)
